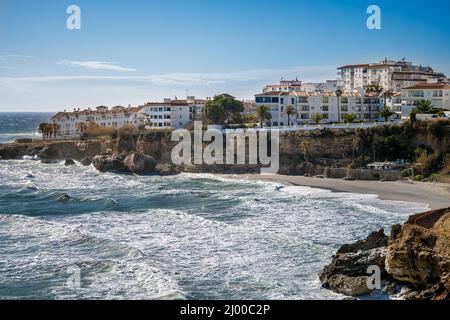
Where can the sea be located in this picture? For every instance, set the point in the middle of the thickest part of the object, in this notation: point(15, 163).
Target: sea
point(76, 233)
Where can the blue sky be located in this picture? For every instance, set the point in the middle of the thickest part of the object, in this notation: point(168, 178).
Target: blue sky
point(129, 52)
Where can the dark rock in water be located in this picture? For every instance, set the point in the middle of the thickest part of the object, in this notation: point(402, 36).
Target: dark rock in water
point(64, 198)
point(374, 240)
point(350, 286)
point(69, 162)
point(347, 273)
point(140, 163)
point(107, 163)
point(166, 169)
point(86, 161)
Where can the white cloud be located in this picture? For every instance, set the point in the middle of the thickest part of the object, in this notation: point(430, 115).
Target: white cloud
point(96, 65)
point(17, 56)
point(306, 73)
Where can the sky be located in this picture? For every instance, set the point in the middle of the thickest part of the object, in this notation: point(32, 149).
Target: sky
point(130, 52)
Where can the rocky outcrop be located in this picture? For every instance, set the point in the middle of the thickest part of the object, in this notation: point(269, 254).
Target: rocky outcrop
point(87, 161)
point(415, 259)
point(348, 271)
point(69, 162)
point(419, 254)
point(166, 169)
point(140, 163)
point(105, 163)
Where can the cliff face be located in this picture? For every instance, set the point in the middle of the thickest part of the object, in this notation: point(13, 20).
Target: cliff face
point(419, 252)
point(416, 257)
point(332, 153)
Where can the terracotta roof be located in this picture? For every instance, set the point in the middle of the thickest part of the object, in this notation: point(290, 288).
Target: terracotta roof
point(426, 85)
point(270, 93)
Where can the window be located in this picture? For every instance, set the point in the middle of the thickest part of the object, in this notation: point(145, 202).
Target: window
point(325, 108)
point(282, 100)
point(292, 100)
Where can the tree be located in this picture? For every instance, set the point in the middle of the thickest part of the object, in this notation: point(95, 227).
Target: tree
point(349, 117)
point(386, 112)
point(45, 129)
point(55, 129)
point(290, 111)
point(316, 117)
point(306, 148)
point(263, 114)
point(222, 109)
point(338, 95)
point(424, 106)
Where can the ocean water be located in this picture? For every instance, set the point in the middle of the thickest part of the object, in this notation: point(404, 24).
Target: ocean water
point(190, 236)
point(15, 125)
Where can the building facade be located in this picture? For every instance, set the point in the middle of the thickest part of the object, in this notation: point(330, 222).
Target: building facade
point(391, 75)
point(72, 123)
point(436, 92)
point(326, 103)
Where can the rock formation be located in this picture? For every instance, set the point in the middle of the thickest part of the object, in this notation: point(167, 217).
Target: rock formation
point(416, 257)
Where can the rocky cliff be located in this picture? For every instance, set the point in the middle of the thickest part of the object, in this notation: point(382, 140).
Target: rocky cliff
point(414, 261)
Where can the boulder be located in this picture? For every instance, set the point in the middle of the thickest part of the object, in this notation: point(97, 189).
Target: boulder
point(166, 169)
point(86, 161)
point(347, 272)
point(350, 286)
point(69, 162)
point(140, 163)
point(419, 253)
point(105, 163)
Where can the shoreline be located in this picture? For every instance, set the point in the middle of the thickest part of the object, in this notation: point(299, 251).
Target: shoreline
point(435, 195)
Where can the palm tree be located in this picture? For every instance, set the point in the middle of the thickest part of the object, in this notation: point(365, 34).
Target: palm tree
point(306, 147)
point(349, 117)
point(424, 106)
point(55, 129)
point(263, 114)
point(316, 117)
point(386, 112)
point(290, 111)
point(45, 129)
point(338, 95)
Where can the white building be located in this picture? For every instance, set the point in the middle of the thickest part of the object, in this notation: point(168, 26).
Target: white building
point(326, 103)
point(284, 86)
point(172, 114)
point(72, 123)
point(392, 75)
point(327, 86)
point(436, 92)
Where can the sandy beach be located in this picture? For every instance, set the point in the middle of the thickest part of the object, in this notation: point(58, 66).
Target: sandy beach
point(436, 195)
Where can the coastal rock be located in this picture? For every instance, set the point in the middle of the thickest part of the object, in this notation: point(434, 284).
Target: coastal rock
point(140, 163)
point(86, 161)
point(350, 286)
point(166, 169)
point(105, 163)
point(347, 273)
point(69, 162)
point(419, 253)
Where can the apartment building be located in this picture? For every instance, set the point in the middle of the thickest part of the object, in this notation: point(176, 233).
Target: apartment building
point(392, 75)
point(436, 92)
point(326, 103)
point(71, 123)
point(327, 86)
point(172, 114)
point(284, 86)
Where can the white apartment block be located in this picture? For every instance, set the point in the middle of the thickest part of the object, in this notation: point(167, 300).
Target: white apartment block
point(392, 75)
point(172, 114)
point(436, 92)
point(71, 123)
point(326, 103)
point(284, 86)
point(327, 86)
